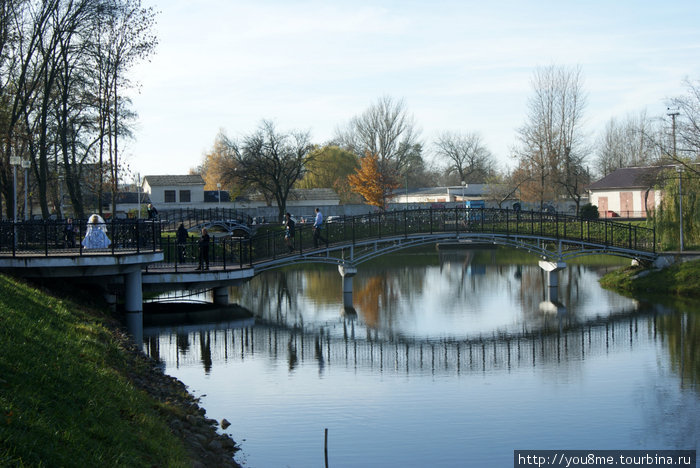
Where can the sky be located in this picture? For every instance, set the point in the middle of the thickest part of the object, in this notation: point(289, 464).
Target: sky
point(459, 66)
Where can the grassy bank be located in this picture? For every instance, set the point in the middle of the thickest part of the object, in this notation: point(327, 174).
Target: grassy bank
point(75, 392)
point(680, 280)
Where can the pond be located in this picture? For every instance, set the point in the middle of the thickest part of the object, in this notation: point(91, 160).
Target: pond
point(448, 357)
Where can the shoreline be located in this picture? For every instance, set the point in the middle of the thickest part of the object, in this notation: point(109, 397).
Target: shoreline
point(74, 383)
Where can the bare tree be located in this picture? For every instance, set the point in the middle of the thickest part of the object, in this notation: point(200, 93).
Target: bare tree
point(271, 161)
point(385, 130)
point(685, 138)
point(467, 157)
point(552, 147)
point(632, 142)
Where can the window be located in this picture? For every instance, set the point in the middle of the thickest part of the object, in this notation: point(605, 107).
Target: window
point(184, 196)
point(169, 196)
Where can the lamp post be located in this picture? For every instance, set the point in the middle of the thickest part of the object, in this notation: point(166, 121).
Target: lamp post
point(406, 207)
point(26, 164)
point(138, 191)
point(60, 194)
point(218, 187)
point(14, 161)
point(680, 201)
point(464, 186)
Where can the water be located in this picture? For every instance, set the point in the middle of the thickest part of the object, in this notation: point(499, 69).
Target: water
point(451, 359)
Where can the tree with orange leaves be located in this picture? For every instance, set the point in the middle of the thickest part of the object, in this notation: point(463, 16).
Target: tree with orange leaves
point(373, 183)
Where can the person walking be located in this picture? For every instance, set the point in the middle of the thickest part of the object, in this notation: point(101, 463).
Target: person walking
point(318, 224)
point(181, 238)
point(204, 250)
point(152, 212)
point(289, 232)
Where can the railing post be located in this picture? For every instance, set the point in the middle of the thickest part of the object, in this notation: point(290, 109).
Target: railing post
point(46, 239)
point(138, 237)
point(457, 221)
point(250, 252)
point(405, 223)
point(431, 219)
point(605, 226)
point(507, 223)
point(224, 252)
point(353, 231)
point(114, 237)
point(629, 241)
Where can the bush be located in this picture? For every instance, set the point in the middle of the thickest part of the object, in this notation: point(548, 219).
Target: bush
point(589, 211)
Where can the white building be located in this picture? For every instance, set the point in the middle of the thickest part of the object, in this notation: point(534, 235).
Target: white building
point(175, 191)
point(627, 192)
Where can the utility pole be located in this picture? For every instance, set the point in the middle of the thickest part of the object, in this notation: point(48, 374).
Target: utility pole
point(673, 114)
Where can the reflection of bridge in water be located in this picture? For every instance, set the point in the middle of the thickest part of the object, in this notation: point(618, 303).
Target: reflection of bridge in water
point(348, 344)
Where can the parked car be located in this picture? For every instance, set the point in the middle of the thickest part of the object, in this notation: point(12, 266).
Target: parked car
point(333, 219)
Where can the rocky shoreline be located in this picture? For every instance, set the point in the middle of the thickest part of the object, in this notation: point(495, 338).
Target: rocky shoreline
point(185, 417)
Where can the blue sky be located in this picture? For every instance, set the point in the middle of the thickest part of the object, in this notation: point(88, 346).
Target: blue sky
point(458, 65)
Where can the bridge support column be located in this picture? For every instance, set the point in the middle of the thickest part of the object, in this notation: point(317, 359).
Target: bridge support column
point(552, 269)
point(347, 272)
point(133, 305)
point(221, 295)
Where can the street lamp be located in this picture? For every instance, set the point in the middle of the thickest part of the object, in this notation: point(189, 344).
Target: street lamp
point(138, 191)
point(26, 164)
point(15, 161)
point(680, 201)
point(464, 186)
point(218, 187)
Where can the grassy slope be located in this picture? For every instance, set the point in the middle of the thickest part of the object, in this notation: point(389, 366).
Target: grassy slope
point(681, 280)
point(65, 398)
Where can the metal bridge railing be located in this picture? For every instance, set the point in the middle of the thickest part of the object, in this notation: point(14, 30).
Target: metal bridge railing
point(52, 238)
point(243, 252)
point(58, 237)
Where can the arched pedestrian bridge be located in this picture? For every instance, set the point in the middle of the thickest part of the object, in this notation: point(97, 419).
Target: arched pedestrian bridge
point(37, 249)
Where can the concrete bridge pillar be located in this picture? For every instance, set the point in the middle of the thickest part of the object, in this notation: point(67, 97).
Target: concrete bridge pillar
point(552, 269)
point(133, 305)
point(221, 295)
point(347, 272)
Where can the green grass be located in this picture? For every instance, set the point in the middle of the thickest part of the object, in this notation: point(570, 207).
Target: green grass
point(680, 280)
point(65, 395)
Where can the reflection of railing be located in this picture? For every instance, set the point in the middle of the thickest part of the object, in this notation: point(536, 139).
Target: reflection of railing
point(352, 349)
point(59, 238)
point(350, 230)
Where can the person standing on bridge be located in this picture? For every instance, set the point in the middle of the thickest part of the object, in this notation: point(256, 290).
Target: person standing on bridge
point(96, 233)
point(318, 223)
point(181, 238)
point(289, 233)
point(204, 250)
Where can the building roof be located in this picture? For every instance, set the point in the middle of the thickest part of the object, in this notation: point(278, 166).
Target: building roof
point(629, 178)
point(170, 180)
